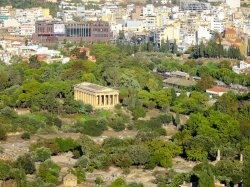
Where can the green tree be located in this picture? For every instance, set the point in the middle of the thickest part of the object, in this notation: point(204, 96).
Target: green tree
point(227, 103)
point(41, 154)
point(206, 82)
point(49, 172)
point(205, 174)
point(139, 154)
point(246, 167)
point(26, 163)
point(5, 170)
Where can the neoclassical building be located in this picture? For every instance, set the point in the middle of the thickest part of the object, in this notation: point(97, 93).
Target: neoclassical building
point(95, 95)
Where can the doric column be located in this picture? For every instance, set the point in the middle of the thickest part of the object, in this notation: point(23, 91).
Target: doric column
point(91, 99)
point(75, 94)
point(84, 97)
point(117, 99)
point(104, 96)
point(87, 98)
point(93, 96)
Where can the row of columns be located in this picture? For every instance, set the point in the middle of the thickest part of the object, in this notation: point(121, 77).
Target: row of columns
point(98, 100)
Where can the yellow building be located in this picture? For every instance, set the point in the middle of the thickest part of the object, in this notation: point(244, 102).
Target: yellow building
point(95, 95)
point(171, 32)
point(46, 12)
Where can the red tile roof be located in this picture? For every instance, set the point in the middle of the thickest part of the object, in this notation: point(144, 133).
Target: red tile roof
point(216, 89)
point(230, 31)
point(235, 45)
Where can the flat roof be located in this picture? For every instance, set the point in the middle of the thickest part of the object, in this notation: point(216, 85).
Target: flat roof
point(94, 88)
point(179, 82)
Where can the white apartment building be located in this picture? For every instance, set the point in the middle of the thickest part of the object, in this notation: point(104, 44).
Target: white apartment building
point(26, 29)
point(233, 3)
point(190, 38)
point(149, 10)
point(133, 25)
point(242, 66)
point(4, 11)
point(149, 23)
point(203, 34)
point(11, 23)
point(217, 25)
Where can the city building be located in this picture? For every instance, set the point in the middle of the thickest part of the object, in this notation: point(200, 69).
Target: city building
point(233, 3)
point(194, 6)
point(241, 67)
point(73, 31)
point(95, 95)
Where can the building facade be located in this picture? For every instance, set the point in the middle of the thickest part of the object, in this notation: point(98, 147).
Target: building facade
point(95, 95)
point(75, 31)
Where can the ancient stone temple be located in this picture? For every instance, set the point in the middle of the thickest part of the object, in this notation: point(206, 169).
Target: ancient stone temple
point(70, 180)
point(95, 95)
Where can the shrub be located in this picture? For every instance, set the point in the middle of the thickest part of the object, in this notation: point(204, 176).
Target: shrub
point(83, 162)
point(91, 127)
point(165, 118)
point(119, 182)
point(79, 172)
point(99, 180)
point(139, 112)
point(7, 111)
point(117, 124)
point(65, 144)
point(25, 162)
point(122, 160)
point(146, 135)
point(5, 170)
point(153, 125)
point(25, 136)
point(41, 154)
point(3, 133)
point(49, 172)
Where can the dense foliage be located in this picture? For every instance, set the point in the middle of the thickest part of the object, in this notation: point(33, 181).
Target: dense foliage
point(45, 92)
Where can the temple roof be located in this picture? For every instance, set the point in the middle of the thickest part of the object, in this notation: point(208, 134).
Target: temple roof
point(94, 88)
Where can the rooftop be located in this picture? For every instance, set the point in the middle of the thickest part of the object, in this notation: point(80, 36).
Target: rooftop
point(180, 82)
point(180, 73)
point(94, 88)
point(230, 31)
point(217, 89)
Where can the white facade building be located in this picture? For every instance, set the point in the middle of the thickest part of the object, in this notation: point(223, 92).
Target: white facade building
point(233, 3)
point(242, 66)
